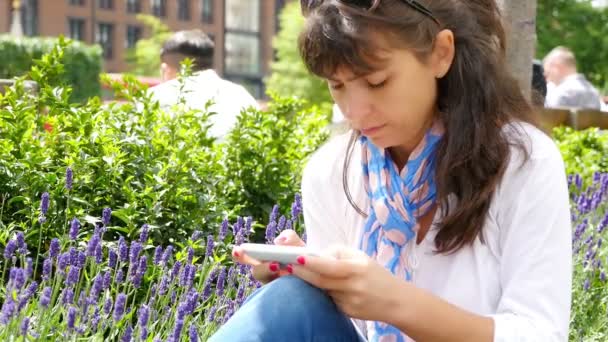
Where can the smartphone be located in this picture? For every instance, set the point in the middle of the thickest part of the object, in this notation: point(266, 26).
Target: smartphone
point(282, 254)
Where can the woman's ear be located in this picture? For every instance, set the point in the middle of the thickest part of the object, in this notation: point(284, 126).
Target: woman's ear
point(443, 53)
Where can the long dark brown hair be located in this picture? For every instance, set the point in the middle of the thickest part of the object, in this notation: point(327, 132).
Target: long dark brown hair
point(476, 98)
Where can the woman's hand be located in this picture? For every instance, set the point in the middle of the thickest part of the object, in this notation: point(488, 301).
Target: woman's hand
point(359, 286)
point(265, 272)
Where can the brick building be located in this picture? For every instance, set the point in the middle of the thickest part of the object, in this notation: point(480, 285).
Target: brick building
point(241, 29)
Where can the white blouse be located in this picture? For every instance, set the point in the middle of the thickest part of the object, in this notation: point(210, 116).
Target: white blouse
point(520, 275)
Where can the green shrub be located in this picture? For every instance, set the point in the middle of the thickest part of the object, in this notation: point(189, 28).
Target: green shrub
point(82, 63)
point(149, 165)
point(584, 152)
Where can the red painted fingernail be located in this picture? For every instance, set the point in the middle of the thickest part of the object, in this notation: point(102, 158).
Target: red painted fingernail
point(301, 260)
point(236, 254)
point(289, 269)
point(274, 267)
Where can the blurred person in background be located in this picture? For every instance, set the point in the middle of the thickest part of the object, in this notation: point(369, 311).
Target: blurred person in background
point(203, 85)
point(570, 89)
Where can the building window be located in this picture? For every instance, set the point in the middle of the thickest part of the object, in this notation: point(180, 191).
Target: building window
point(183, 9)
point(105, 4)
point(77, 2)
point(29, 17)
point(133, 35)
point(105, 37)
point(76, 28)
point(133, 6)
point(242, 44)
point(207, 11)
point(159, 8)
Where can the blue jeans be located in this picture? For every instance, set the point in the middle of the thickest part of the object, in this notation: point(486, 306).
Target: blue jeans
point(288, 309)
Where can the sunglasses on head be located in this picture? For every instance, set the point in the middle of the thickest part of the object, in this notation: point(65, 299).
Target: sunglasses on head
point(308, 5)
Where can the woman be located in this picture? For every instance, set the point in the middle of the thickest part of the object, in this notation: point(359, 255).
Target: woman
point(444, 214)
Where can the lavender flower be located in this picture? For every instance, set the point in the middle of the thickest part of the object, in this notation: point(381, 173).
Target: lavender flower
point(144, 314)
point(17, 277)
point(73, 276)
point(128, 335)
point(196, 235)
point(158, 254)
point(143, 236)
point(63, 261)
point(25, 297)
point(107, 306)
point(141, 270)
point(95, 320)
point(288, 225)
point(73, 256)
point(123, 249)
point(21, 245)
point(9, 249)
point(210, 246)
point(107, 280)
point(586, 285)
point(71, 317)
point(74, 227)
point(67, 296)
point(54, 248)
point(603, 276)
point(221, 282)
point(248, 223)
point(69, 178)
point(82, 257)
point(177, 330)
point(281, 224)
point(223, 230)
point(92, 246)
point(271, 231)
point(45, 298)
point(23, 328)
point(211, 315)
point(134, 252)
point(193, 333)
point(96, 289)
point(8, 310)
point(167, 255)
point(190, 255)
point(164, 285)
point(176, 268)
point(296, 207)
point(44, 203)
point(119, 277)
point(98, 254)
point(274, 214)
point(119, 307)
point(106, 216)
point(112, 258)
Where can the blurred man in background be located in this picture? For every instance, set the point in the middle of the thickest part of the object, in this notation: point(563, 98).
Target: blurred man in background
point(203, 85)
point(569, 88)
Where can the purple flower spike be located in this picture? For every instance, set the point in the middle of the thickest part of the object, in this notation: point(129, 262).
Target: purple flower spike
point(296, 207)
point(73, 276)
point(193, 333)
point(107, 306)
point(97, 288)
point(119, 308)
point(190, 255)
point(17, 277)
point(92, 246)
point(196, 235)
point(119, 277)
point(221, 280)
point(177, 330)
point(9, 249)
point(45, 298)
point(69, 178)
point(54, 248)
point(23, 328)
point(47, 268)
point(210, 246)
point(106, 216)
point(44, 203)
point(281, 224)
point(143, 236)
point(123, 249)
point(74, 228)
point(274, 214)
point(8, 310)
point(71, 317)
point(107, 280)
point(112, 258)
point(167, 255)
point(158, 254)
point(271, 231)
point(142, 322)
point(223, 229)
point(128, 335)
point(134, 252)
point(587, 284)
point(29, 267)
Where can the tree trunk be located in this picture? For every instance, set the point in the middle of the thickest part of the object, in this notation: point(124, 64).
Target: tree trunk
point(520, 24)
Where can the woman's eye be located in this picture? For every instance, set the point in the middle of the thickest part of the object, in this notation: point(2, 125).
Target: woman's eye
point(335, 86)
point(376, 85)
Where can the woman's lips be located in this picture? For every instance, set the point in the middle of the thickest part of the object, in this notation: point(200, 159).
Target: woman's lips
point(371, 130)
